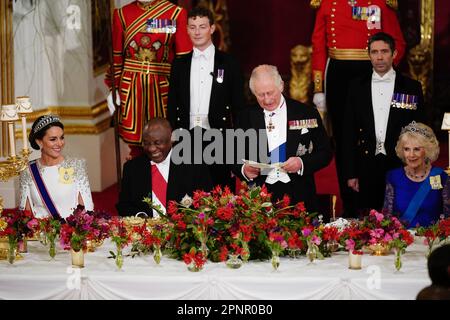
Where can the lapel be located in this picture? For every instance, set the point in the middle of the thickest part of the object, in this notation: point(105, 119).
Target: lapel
point(398, 86)
point(146, 178)
point(186, 85)
point(291, 115)
point(367, 106)
point(218, 64)
point(171, 185)
point(257, 122)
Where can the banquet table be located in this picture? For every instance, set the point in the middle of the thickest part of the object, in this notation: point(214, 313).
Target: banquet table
point(38, 277)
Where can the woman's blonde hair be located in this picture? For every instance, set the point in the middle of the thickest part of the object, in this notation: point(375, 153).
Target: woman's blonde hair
point(424, 136)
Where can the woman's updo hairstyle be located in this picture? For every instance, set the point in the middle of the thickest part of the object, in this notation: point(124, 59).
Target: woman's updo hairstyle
point(40, 127)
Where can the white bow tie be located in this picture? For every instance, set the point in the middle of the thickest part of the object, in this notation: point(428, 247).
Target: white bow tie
point(198, 54)
point(386, 79)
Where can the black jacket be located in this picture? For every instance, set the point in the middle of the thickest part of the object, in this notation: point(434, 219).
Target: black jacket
point(226, 99)
point(137, 184)
point(359, 139)
point(301, 187)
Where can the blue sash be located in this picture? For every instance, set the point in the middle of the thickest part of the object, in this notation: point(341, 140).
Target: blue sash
point(45, 196)
point(420, 196)
point(278, 154)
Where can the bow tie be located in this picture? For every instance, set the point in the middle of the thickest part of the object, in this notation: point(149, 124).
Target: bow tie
point(198, 54)
point(386, 79)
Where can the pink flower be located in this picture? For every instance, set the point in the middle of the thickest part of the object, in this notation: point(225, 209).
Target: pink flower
point(349, 244)
point(32, 224)
point(316, 240)
point(377, 233)
point(379, 216)
point(387, 238)
point(306, 232)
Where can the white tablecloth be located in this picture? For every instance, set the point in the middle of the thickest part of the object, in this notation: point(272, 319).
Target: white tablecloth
point(37, 277)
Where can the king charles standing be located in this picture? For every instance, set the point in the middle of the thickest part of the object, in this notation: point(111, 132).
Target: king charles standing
point(293, 132)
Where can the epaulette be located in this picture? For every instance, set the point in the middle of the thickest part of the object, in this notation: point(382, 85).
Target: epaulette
point(315, 4)
point(392, 3)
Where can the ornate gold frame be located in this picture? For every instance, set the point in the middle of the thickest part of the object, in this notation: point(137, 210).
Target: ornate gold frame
point(7, 67)
point(420, 57)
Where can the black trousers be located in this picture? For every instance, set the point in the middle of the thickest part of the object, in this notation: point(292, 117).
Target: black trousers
point(220, 173)
point(338, 77)
point(372, 184)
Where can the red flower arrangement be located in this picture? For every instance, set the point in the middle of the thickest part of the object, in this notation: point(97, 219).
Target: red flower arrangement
point(435, 233)
point(16, 225)
point(120, 235)
point(51, 228)
point(219, 222)
point(80, 227)
point(194, 260)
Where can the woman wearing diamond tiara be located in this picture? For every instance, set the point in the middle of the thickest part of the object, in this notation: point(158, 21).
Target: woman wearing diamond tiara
point(418, 192)
point(53, 184)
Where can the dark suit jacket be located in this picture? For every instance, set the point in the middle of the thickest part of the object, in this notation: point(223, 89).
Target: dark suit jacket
point(137, 184)
point(301, 187)
point(227, 98)
point(359, 141)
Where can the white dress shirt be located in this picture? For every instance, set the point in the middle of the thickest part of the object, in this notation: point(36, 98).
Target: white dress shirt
point(382, 92)
point(164, 168)
point(202, 69)
point(276, 137)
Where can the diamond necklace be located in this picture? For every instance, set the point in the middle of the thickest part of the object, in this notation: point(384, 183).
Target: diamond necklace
point(416, 176)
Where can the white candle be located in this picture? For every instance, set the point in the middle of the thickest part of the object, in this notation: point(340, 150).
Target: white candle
point(24, 133)
point(12, 139)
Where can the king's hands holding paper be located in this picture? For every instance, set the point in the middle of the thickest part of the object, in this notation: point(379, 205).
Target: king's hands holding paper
point(252, 169)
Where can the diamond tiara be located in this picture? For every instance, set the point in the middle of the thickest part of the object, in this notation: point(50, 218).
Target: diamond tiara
point(45, 120)
point(414, 128)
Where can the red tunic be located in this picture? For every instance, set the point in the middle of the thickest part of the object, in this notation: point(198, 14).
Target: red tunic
point(339, 35)
point(143, 52)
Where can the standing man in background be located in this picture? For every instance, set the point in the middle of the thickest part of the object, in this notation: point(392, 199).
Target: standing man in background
point(341, 32)
point(146, 36)
point(206, 87)
point(380, 103)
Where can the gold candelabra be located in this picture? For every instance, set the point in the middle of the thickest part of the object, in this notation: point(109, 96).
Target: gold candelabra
point(15, 163)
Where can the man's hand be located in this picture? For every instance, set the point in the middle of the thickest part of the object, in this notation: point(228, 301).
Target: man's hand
point(319, 101)
point(251, 172)
point(292, 165)
point(111, 105)
point(354, 184)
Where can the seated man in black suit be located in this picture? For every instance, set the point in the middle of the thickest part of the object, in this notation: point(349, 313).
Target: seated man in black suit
point(155, 174)
point(294, 135)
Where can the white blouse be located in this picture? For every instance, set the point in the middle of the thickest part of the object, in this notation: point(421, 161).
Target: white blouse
point(63, 181)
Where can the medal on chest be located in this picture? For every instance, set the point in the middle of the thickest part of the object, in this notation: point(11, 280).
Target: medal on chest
point(66, 175)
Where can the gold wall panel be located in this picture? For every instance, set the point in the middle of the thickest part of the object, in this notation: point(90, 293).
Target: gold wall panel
point(6, 68)
point(81, 113)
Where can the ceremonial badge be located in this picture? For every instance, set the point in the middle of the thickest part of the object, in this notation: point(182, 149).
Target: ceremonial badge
point(310, 148)
point(372, 14)
point(220, 74)
point(435, 182)
point(301, 150)
point(374, 19)
point(66, 175)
